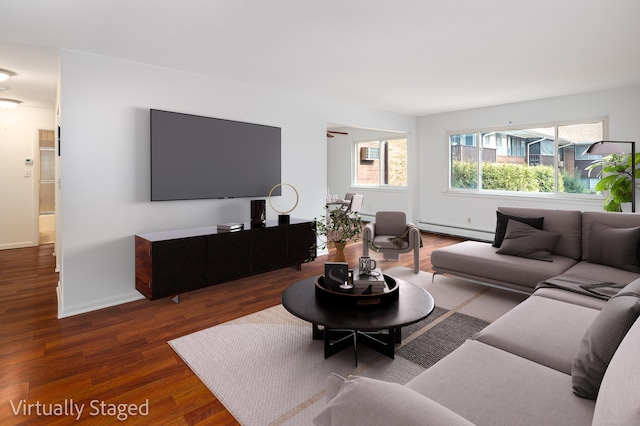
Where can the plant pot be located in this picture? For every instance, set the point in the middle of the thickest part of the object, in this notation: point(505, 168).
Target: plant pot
point(339, 256)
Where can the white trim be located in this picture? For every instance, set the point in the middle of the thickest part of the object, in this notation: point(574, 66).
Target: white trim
point(99, 304)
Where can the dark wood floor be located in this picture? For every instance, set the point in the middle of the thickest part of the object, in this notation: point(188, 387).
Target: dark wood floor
point(120, 355)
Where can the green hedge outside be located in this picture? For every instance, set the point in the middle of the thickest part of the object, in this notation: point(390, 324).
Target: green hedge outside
point(505, 177)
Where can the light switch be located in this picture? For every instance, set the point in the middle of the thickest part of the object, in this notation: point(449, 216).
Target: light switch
point(27, 172)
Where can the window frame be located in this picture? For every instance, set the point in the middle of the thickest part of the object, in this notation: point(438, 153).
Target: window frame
point(501, 129)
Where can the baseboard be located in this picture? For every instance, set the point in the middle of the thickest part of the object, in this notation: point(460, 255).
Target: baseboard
point(64, 312)
point(21, 244)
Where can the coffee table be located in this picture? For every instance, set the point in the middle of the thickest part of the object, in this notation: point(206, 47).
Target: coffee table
point(378, 327)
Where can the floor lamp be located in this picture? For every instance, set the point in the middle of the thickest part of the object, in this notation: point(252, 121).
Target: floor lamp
point(609, 147)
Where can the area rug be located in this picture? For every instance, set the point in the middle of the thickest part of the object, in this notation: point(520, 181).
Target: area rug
point(266, 369)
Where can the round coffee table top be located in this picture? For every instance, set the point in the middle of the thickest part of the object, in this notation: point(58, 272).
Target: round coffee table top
point(414, 304)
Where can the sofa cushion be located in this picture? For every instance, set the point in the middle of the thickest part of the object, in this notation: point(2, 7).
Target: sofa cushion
point(570, 297)
point(617, 247)
point(364, 401)
point(618, 220)
point(502, 220)
point(390, 223)
point(385, 242)
point(542, 330)
point(601, 272)
point(526, 241)
point(602, 338)
point(617, 402)
point(489, 386)
point(479, 261)
point(567, 223)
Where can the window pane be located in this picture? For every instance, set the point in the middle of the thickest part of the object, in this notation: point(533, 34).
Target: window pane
point(397, 163)
point(573, 140)
point(518, 160)
point(464, 161)
point(368, 163)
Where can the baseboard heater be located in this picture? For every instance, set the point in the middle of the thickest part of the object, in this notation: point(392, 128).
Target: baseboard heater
point(458, 231)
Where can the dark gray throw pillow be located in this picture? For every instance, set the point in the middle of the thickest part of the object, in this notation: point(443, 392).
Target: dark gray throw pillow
point(523, 240)
point(602, 338)
point(501, 225)
point(617, 247)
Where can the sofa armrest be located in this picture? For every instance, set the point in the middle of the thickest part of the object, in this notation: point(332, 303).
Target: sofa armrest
point(360, 400)
point(368, 232)
point(332, 387)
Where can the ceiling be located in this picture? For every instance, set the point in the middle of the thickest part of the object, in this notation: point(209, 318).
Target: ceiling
point(415, 57)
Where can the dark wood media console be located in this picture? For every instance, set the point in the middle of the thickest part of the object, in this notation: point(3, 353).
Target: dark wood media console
point(172, 262)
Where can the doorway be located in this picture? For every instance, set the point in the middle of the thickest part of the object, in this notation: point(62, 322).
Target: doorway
point(47, 217)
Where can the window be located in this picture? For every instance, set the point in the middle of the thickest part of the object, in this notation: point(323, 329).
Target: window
point(547, 159)
point(381, 162)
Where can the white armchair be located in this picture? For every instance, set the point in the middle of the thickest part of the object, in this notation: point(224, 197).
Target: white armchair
point(392, 235)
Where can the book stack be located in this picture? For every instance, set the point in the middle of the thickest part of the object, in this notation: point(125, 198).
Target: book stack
point(230, 227)
point(375, 280)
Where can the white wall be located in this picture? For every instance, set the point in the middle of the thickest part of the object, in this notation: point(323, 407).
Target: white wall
point(19, 194)
point(437, 206)
point(104, 119)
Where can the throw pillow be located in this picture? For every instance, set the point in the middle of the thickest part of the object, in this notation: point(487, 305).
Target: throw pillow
point(617, 247)
point(523, 240)
point(503, 219)
point(365, 402)
point(602, 338)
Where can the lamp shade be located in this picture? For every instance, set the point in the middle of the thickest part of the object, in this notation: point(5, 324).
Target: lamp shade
point(9, 103)
point(608, 148)
point(6, 74)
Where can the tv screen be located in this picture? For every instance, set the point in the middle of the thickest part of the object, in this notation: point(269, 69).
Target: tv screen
point(194, 157)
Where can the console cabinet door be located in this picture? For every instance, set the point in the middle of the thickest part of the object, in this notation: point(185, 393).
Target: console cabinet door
point(300, 240)
point(179, 266)
point(268, 249)
point(228, 256)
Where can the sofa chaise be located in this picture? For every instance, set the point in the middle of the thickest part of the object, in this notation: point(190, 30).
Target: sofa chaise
point(599, 246)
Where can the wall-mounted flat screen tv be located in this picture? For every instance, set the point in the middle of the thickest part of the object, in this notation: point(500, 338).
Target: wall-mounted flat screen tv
point(194, 157)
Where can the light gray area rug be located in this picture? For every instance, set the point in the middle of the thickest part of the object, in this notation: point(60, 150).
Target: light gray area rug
point(266, 369)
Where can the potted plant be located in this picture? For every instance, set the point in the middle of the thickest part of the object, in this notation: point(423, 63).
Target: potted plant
point(615, 173)
point(338, 228)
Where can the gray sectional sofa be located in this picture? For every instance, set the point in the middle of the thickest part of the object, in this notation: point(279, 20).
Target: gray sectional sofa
point(526, 368)
point(582, 250)
point(561, 357)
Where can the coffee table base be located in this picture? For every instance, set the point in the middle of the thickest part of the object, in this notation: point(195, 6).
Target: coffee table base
point(336, 340)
